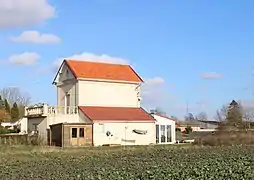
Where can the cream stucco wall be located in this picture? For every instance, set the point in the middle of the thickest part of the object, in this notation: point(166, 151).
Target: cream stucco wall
point(95, 92)
point(114, 94)
point(122, 133)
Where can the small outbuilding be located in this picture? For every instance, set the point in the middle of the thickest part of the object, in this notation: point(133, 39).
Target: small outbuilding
point(71, 134)
point(165, 129)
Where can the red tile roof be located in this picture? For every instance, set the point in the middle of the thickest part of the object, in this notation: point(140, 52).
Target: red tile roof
point(99, 70)
point(116, 114)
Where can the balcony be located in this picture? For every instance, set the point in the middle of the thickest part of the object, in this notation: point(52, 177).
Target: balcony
point(45, 110)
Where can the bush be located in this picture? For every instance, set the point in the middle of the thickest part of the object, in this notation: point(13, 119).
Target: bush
point(8, 131)
point(188, 129)
point(222, 138)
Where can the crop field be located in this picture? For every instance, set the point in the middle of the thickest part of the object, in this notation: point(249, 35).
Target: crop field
point(116, 163)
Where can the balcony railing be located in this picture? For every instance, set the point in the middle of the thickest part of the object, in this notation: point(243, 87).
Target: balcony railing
point(45, 110)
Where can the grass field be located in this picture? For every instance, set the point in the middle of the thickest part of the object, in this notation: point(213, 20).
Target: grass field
point(113, 163)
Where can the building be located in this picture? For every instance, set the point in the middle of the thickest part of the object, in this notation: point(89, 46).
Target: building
point(104, 95)
point(165, 129)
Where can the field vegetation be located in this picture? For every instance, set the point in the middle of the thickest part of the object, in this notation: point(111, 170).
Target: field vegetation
point(144, 162)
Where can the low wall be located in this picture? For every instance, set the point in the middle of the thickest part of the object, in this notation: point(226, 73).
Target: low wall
point(17, 139)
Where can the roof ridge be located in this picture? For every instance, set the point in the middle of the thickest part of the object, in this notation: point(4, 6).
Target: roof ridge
point(113, 107)
point(98, 62)
point(101, 70)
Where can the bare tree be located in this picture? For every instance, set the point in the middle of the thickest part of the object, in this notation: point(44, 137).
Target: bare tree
point(248, 115)
point(174, 118)
point(189, 118)
point(158, 111)
point(221, 114)
point(14, 94)
point(202, 116)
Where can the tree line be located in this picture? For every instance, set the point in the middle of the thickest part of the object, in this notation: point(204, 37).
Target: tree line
point(7, 112)
point(12, 103)
point(233, 114)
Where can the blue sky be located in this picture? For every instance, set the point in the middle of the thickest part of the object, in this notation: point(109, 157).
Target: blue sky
point(195, 51)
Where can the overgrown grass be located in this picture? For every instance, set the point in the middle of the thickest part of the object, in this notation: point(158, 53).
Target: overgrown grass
point(139, 162)
point(223, 138)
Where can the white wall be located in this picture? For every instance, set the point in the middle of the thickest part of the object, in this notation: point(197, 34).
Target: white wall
point(122, 132)
point(166, 121)
point(23, 125)
point(66, 84)
point(95, 93)
point(43, 123)
point(62, 118)
point(71, 88)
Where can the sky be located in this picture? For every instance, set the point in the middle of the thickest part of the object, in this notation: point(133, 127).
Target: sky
point(198, 53)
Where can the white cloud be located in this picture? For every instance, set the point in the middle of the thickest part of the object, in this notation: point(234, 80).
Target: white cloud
point(85, 56)
point(18, 13)
point(36, 38)
point(154, 94)
point(247, 103)
point(211, 75)
point(26, 58)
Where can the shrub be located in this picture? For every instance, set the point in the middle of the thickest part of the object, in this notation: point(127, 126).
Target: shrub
point(221, 138)
point(8, 131)
point(188, 129)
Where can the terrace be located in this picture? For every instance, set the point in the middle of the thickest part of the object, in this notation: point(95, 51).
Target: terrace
point(46, 110)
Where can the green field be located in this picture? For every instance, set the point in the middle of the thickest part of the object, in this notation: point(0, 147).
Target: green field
point(114, 163)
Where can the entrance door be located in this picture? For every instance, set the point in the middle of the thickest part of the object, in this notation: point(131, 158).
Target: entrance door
point(74, 136)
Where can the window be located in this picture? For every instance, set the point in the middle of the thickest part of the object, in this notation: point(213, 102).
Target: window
point(169, 133)
point(81, 132)
point(157, 133)
point(163, 134)
point(74, 132)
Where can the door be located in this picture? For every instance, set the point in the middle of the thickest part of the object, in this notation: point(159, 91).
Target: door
point(157, 133)
point(74, 136)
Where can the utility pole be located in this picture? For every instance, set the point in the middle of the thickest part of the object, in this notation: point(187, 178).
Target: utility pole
point(187, 107)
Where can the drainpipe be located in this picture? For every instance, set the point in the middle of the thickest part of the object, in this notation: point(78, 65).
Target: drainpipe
point(75, 104)
point(138, 95)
